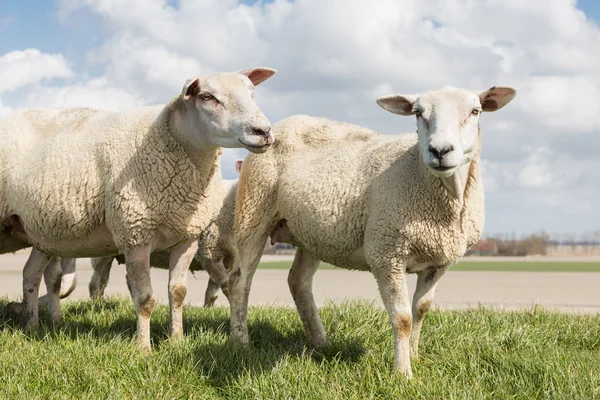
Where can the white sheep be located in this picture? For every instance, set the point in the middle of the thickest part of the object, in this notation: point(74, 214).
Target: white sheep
point(216, 250)
point(359, 200)
point(91, 183)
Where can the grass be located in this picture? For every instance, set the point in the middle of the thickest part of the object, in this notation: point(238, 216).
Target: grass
point(473, 354)
point(512, 266)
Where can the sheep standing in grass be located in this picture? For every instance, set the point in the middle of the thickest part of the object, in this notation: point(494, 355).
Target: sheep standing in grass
point(91, 183)
point(391, 205)
point(216, 250)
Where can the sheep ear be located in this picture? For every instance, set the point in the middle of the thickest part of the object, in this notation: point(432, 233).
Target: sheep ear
point(258, 75)
point(191, 88)
point(496, 97)
point(398, 103)
point(238, 165)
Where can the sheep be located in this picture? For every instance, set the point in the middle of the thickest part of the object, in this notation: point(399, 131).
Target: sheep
point(93, 183)
point(359, 200)
point(216, 250)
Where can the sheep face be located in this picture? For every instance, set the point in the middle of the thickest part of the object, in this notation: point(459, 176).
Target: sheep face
point(222, 111)
point(448, 122)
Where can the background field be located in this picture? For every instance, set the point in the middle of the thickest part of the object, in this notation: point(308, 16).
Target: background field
point(525, 266)
point(464, 354)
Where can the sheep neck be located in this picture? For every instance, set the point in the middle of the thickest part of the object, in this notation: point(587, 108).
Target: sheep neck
point(203, 157)
point(456, 189)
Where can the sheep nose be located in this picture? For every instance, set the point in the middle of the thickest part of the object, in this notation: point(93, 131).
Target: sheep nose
point(261, 131)
point(440, 153)
point(265, 132)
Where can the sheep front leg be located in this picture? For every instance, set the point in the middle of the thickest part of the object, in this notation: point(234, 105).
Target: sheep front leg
point(101, 267)
point(137, 262)
point(52, 278)
point(240, 281)
point(179, 263)
point(391, 281)
point(300, 281)
point(426, 284)
point(32, 277)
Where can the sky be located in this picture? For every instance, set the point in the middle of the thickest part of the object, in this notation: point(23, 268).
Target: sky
point(334, 58)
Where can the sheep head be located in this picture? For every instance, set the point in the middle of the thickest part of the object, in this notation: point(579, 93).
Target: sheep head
point(448, 122)
point(222, 111)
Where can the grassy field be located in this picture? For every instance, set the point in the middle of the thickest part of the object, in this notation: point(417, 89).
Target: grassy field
point(472, 354)
point(529, 266)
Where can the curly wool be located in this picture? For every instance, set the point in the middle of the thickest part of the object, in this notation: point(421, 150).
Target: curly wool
point(216, 242)
point(350, 195)
point(66, 172)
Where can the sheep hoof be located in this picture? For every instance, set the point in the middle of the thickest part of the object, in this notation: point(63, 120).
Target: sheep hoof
point(317, 343)
point(210, 302)
point(405, 371)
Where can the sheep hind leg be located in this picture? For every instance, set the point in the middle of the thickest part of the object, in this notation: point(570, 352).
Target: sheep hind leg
point(179, 264)
point(32, 277)
point(52, 278)
point(68, 282)
point(426, 284)
point(210, 296)
point(219, 279)
point(300, 279)
point(240, 282)
point(391, 281)
point(137, 262)
point(101, 267)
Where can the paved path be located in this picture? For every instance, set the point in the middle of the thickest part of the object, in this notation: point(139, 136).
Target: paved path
point(578, 292)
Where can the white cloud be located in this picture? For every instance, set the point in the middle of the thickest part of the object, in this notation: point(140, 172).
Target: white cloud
point(95, 93)
point(21, 68)
point(335, 58)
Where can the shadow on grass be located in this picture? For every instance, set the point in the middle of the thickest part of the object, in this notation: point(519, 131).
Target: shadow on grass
point(220, 360)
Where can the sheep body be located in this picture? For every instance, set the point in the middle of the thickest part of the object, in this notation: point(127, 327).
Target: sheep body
point(69, 199)
point(373, 187)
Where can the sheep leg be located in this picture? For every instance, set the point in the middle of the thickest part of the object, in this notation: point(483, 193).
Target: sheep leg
point(137, 262)
point(394, 293)
point(219, 278)
point(210, 296)
point(179, 264)
point(49, 281)
point(52, 278)
point(426, 284)
point(101, 266)
point(240, 281)
point(32, 277)
point(68, 281)
point(300, 281)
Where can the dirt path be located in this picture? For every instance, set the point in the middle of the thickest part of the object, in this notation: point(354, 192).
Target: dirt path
point(578, 292)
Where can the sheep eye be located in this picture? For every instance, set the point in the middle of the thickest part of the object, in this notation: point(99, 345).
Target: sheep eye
point(418, 113)
point(475, 112)
point(206, 96)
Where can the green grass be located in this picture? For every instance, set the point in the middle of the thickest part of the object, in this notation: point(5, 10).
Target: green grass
point(472, 354)
point(523, 266)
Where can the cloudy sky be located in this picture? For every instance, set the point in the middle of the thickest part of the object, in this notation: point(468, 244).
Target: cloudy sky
point(334, 58)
